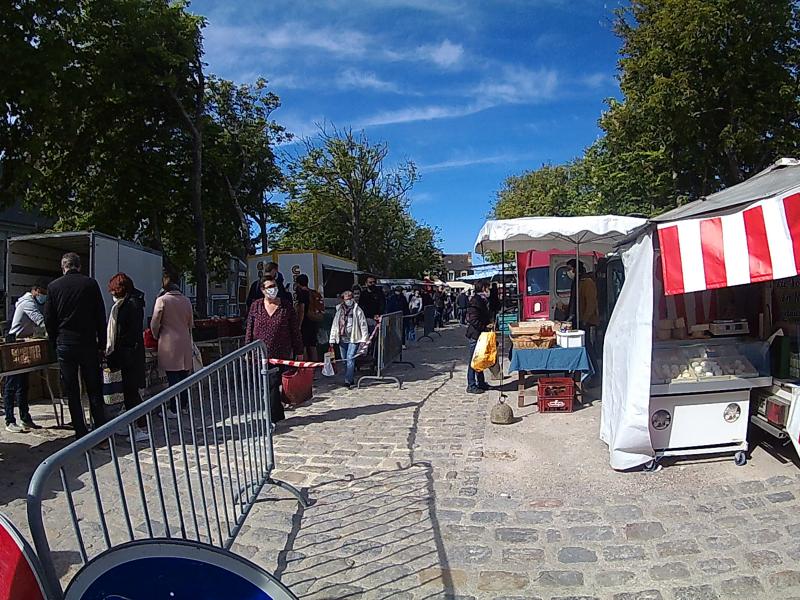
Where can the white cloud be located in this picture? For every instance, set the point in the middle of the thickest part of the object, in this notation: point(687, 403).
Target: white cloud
point(355, 79)
point(445, 54)
point(598, 80)
point(421, 113)
point(343, 42)
point(519, 85)
point(458, 163)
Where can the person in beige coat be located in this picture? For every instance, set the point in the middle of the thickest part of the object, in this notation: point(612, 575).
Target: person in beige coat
point(172, 325)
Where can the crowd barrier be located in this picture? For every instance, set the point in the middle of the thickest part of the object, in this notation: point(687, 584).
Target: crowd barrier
point(429, 323)
point(389, 348)
point(194, 477)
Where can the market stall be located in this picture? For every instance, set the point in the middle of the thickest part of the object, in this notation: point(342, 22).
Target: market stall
point(567, 234)
point(687, 342)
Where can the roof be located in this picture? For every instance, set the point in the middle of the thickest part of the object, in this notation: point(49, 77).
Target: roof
point(779, 177)
point(457, 262)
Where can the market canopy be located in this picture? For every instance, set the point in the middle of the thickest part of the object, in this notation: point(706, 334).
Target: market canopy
point(747, 233)
point(592, 233)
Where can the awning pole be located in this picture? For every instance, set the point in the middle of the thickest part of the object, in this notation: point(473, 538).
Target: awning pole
point(502, 304)
point(578, 285)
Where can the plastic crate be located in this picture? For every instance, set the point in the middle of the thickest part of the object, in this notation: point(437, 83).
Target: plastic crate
point(556, 387)
point(556, 395)
point(556, 404)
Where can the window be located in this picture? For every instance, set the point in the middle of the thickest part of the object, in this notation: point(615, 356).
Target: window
point(537, 281)
point(451, 276)
point(464, 273)
point(563, 282)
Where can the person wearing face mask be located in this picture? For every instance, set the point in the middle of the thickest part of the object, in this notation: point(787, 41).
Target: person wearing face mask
point(587, 296)
point(275, 323)
point(125, 344)
point(28, 315)
point(397, 302)
point(349, 330)
point(372, 300)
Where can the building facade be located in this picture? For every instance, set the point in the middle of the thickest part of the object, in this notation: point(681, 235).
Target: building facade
point(456, 266)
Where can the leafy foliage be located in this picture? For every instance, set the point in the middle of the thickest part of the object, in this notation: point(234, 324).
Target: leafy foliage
point(710, 98)
point(344, 200)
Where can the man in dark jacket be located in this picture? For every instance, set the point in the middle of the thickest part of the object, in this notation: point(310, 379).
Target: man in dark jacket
point(461, 303)
point(372, 300)
point(75, 319)
point(478, 319)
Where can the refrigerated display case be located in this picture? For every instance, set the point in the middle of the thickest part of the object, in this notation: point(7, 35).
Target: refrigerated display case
point(700, 395)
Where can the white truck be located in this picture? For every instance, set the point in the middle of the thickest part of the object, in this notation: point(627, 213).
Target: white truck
point(328, 274)
point(32, 257)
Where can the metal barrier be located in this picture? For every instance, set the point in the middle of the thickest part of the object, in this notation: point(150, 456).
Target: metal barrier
point(391, 335)
point(193, 474)
point(429, 322)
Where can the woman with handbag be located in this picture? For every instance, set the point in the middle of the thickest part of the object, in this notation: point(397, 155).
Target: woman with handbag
point(349, 330)
point(172, 324)
point(276, 324)
point(125, 344)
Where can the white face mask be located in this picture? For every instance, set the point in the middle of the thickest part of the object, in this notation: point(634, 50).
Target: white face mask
point(348, 303)
point(571, 274)
point(271, 293)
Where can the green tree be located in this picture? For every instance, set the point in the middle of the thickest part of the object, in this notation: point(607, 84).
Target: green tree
point(344, 200)
point(710, 95)
point(242, 166)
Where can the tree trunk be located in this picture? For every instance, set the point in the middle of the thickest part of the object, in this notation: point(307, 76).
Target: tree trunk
point(355, 240)
point(200, 248)
point(244, 226)
point(262, 224)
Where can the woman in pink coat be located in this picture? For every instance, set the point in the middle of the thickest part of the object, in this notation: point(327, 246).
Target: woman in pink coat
point(172, 325)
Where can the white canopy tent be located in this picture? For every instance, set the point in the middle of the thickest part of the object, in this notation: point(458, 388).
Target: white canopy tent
point(621, 428)
point(596, 233)
point(593, 233)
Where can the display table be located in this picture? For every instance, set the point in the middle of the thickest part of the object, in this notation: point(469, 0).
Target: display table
point(552, 360)
point(41, 371)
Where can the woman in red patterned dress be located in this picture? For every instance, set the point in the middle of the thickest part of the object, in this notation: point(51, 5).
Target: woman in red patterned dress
point(275, 323)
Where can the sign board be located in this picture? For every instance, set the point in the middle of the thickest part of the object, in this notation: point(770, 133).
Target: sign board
point(787, 296)
point(19, 567)
point(173, 570)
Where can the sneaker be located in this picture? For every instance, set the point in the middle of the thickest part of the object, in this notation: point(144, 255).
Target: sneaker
point(474, 390)
point(171, 414)
point(31, 425)
point(16, 428)
point(140, 435)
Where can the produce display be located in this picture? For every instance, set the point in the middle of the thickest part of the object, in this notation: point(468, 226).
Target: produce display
point(698, 363)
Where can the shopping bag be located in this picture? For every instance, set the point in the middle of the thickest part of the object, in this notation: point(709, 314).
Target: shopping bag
point(485, 354)
point(495, 370)
point(327, 368)
point(112, 387)
point(197, 358)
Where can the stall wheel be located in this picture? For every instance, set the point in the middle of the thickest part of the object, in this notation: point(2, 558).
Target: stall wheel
point(653, 466)
point(740, 458)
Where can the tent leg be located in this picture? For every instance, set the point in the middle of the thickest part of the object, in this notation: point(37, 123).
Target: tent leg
point(577, 285)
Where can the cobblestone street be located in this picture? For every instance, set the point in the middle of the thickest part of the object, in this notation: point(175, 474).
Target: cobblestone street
point(416, 495)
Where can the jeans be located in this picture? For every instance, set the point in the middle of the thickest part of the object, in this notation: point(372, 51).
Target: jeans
point(437, 319)
point(73, 360)
point(347, 350)
point(174, 378)
point(474, 378)
point(16, 390)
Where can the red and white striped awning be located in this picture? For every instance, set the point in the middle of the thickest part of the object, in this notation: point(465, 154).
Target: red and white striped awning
point(759, 243)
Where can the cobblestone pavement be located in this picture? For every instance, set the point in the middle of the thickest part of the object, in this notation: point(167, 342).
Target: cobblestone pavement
point(416, 495)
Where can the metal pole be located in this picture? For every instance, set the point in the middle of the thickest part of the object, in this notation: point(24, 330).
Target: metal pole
point(502, 303)
point(577, 285)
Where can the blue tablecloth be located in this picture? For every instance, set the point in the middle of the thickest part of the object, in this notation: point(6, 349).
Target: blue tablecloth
point(553, 359)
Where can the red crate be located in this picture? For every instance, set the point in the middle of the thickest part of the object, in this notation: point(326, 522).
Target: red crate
point(552, 387)
point(555, 404)
point(556, 395)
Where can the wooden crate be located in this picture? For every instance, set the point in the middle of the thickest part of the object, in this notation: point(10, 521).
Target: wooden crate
point(19, 355)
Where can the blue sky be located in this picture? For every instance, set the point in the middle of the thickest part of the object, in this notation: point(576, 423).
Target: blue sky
point(471, 91)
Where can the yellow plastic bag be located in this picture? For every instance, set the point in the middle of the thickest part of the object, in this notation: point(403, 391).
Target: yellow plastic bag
point(485, 354)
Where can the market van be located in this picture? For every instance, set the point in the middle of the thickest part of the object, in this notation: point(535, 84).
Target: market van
point(543, 281)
